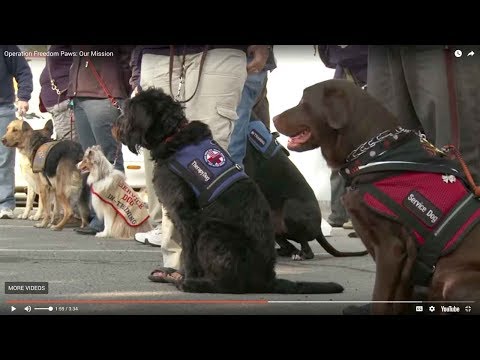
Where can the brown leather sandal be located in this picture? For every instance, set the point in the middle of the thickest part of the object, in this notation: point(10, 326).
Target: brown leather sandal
point(168, 275)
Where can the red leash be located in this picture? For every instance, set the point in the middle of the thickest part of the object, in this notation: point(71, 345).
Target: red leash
point(475, 188)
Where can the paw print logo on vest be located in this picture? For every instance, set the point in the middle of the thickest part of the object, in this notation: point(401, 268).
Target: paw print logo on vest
point(448, 179)
point(214, 158)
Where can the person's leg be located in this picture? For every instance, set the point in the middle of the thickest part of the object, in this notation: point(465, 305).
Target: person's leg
point(261, 110)
point(338, 215)
point(219, 92)
point(426, 75)
point(251, 91)
point(467, 74)
point(64, 128)
point(215, 102)
point(101, 115)
point(7, 165)
point(155, 73)
point(86, 138)
point(386, 82)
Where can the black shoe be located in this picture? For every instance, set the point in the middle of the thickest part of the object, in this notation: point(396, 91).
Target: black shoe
point(85, 231)
point(357, 310)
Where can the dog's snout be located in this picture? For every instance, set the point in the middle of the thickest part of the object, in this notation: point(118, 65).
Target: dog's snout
point(4, 141)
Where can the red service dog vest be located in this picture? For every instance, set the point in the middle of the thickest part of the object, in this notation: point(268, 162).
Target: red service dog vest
point(418, 186)
point(428, 198)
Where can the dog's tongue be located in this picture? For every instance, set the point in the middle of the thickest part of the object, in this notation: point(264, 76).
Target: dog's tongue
point(298, 140)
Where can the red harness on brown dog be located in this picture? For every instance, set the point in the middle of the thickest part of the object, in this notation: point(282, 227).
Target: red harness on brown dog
point(418, 186)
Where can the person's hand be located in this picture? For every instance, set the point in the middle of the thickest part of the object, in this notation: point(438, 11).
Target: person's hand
point(260, 56)
point(22, 107)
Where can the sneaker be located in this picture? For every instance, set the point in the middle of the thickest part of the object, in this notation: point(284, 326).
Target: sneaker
point(348, 225)
point(153, 237)
point(6, 214)
point(335, 223)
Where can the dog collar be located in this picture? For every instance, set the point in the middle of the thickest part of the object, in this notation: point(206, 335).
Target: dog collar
point(182, 124)
point(377, 145)
point(385, 153)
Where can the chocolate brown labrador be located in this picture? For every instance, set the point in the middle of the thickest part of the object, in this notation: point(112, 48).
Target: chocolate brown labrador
point(338, 117)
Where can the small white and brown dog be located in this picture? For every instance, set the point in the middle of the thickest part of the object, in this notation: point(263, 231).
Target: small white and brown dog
point(113, 200)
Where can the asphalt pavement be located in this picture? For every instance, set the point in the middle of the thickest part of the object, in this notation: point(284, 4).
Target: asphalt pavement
point(89, 275)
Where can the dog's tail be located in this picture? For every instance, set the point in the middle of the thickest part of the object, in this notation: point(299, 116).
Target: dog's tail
point(334, 252)
point(282, 286)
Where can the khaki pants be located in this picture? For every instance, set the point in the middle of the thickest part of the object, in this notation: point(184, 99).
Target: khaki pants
point(215, 103)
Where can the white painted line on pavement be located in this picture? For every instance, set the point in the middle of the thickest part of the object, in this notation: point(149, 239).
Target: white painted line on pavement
point(80, 250)
point(18, 226)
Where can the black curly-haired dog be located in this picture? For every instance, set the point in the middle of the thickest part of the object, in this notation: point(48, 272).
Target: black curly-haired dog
point(228, 246)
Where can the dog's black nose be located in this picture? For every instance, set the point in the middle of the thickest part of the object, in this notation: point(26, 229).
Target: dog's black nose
point(4, 141)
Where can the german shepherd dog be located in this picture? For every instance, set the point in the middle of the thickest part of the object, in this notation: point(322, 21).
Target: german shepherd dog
point(115, 210)
point(15, 137)
point(60, 176)
point(228, 246)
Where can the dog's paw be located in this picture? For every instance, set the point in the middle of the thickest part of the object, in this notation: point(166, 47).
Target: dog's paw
point(300, 256)
point(42, 225)
point(55, 228)
point(101, 234)
point(23, 216)
point(285, 252)
point(35, 217)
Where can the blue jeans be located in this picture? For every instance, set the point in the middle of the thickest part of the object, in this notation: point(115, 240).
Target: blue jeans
point(7, 161)
point(93, 124)
point(251, 91)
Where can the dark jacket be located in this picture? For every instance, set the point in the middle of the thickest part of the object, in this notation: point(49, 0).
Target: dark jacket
point(14, 65)
point(140, 50)
point(352, 57)
point(60, 70)
point(112, 63)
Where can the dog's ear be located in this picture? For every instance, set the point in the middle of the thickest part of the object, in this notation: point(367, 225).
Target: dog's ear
point(26, 126)
point(48, 127)
point(336, 106)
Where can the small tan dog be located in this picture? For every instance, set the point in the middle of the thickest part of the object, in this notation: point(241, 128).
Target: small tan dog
point(113, 200)
point(15, 137)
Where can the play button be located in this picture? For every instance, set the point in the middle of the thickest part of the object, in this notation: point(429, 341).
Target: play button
point(13, 308)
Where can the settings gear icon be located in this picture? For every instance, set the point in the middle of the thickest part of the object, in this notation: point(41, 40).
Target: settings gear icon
point(431, 308)
point(468, 308)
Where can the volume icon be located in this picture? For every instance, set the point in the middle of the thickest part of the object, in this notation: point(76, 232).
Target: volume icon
point(28, 308)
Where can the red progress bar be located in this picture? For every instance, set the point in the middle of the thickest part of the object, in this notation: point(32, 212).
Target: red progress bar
point(86, 301)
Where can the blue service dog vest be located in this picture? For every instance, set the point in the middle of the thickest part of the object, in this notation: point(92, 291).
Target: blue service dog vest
point(207, 168)
point(262, 140)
